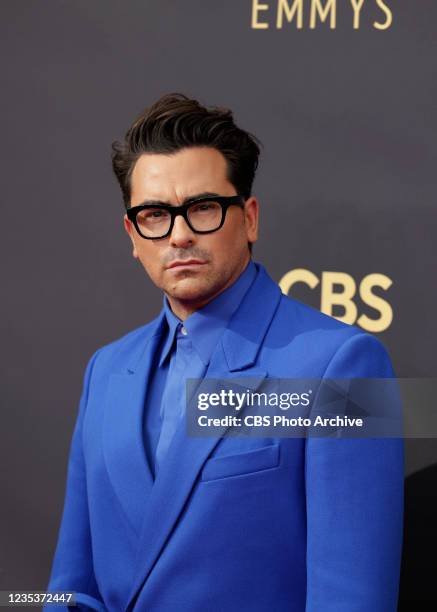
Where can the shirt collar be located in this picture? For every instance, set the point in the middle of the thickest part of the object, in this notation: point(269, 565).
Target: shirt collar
point(172, 324)
point(206, 325)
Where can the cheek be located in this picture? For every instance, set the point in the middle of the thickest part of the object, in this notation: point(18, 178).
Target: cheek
point(150, 262)
point(232, 240)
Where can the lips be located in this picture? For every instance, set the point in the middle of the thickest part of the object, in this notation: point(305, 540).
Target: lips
point(185, 262)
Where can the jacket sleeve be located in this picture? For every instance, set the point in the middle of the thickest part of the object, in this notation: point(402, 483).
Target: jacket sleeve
point(354, 497)
point(72, 568)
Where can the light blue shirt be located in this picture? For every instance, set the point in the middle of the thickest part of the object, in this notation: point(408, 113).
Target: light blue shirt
point(185, 351)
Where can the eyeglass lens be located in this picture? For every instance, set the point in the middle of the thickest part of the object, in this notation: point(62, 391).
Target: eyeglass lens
point(203, 217)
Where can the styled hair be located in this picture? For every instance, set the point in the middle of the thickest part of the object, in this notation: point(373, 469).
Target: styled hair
point(176, 122)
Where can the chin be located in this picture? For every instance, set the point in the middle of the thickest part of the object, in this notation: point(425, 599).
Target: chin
point(188, 289)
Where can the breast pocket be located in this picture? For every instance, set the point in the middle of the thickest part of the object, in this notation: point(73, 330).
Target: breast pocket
point(249, 462)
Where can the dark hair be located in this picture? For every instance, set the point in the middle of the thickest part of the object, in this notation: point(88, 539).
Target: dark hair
point(175, 122)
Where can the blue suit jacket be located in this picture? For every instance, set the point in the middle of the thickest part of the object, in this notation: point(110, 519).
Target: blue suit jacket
point(232, 524)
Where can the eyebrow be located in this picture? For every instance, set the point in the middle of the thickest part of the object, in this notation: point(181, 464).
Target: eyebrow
point(197, 196)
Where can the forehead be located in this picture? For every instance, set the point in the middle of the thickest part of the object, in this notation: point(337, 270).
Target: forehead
point(175, 177)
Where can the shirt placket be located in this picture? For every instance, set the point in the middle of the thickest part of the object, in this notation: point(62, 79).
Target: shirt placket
point(174, 393)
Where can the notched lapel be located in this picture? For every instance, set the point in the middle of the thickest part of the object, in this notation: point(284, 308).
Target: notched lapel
point(123, 442)
point(174, 482)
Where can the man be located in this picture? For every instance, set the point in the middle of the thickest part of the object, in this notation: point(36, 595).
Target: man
point(161, 521)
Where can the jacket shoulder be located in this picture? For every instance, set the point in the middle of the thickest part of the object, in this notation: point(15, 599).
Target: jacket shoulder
point(118, 353)
point(305, 318)
point(313, 340)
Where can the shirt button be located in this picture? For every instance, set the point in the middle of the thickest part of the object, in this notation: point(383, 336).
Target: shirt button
point(184, 331)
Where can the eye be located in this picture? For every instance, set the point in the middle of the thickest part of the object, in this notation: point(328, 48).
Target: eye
point(151, 215)
point(204, 207)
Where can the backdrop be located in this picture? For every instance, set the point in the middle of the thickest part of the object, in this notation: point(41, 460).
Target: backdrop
point(342, 93)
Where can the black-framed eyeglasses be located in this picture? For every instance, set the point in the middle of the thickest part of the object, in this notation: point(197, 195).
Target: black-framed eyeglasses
point(203, 215)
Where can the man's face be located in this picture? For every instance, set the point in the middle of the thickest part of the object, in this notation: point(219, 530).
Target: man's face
point(220, 256)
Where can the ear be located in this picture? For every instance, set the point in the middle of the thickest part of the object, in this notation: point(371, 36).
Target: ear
point(130, 230)
point(251, 214)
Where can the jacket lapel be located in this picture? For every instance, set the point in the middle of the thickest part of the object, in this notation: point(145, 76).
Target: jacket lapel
point(123, 441)
point(236, 353)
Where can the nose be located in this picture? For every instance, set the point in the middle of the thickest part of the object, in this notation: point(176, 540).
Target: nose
point(181, 235)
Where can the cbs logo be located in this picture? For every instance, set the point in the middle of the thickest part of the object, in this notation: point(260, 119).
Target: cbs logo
point(339, 289)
